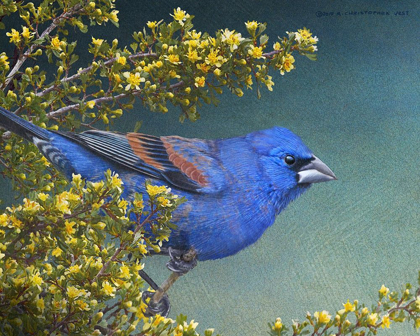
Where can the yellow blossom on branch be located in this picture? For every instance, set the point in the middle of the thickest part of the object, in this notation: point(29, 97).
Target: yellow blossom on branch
point(180, 15)
point(386, 321)
point(322, 317)
point(349, 307)
point(97, 42)
point(251, 25)
point(256, 52)
point(14, 36)
point(155, 190)
point(108, 289)
point(200, 81)
point(384, 291)
point(151, 24)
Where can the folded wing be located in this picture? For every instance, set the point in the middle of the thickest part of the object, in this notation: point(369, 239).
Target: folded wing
point(188, 164)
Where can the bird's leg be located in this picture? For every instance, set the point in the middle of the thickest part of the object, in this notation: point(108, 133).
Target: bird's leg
point(180, 264)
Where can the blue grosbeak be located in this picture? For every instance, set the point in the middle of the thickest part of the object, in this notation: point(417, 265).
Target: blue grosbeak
point(234, 187)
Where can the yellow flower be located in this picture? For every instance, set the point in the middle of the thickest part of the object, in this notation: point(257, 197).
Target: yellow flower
point(26, 34)
point(287, 64)
point(164, 202)
point(82, 305)
point(173, 59)
point(138, 204)
point(91, 104)
point(125, 271)
point(97, 42)
point(74, 269)
point(4, 62)
point(248, 81)
point(365, 311)
point(232, 39)
point(384, 290)
point(200, 81)
point(121, 59)
point(55, 43)
point(14, 36)
point(57, 252)
point(40, 304)
point(239, 92)
point(180, 16)
point(193, 55)
point(69, 227)
point(16, 222)
point(173, 74)
point(278, 324)
point(43, 197)
point(123, 205)
point(277, 46)
point(62, 205)
point(256, 52)
point(386, 322)
point(251, 25)
point(113, 16)
point(203, 67)
point(322, 317)
point(372, 318)
point(73, 292)
point(217, 72)
point(4, 220)
point(151, 24)
point(154, 190)
point(116, 182)
point(213, 58)
point(305, 33)
point(108, 289)
point(36, 280)
point(133, 80)
point(194, 35)
point(349, 307)
point(142, 249)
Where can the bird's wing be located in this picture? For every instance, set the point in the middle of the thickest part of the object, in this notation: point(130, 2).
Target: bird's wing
point(184, 163)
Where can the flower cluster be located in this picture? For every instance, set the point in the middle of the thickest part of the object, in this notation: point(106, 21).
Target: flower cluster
point(356, 319)
point(58, 269)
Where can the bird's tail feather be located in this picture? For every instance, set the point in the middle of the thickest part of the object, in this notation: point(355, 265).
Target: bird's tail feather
point(20, 126)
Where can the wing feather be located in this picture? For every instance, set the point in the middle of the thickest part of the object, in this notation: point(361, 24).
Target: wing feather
point(189, 164)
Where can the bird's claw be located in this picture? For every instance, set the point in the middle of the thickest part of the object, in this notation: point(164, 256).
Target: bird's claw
point(161, 307)
point(181, 262)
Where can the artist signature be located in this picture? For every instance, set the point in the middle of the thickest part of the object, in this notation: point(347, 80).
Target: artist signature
point(362, 13)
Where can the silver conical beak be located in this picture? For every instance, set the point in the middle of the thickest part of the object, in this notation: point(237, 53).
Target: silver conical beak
point(314, 172)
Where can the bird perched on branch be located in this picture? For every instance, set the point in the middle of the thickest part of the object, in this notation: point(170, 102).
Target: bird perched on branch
point(234, 187)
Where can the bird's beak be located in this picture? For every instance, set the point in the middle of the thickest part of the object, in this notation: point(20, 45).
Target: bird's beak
point(315, 171)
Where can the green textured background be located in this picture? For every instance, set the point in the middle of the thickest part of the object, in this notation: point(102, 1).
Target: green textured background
point(357, 108)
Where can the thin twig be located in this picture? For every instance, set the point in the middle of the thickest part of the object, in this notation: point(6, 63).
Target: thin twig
point(45, 33)
point(85, 70)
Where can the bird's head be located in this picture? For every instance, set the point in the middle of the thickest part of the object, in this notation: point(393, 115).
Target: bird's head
point(290, 166)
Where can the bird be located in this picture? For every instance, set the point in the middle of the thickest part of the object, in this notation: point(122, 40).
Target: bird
point(234, 187)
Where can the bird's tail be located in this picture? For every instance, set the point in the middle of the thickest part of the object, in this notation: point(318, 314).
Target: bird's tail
point(21, 127)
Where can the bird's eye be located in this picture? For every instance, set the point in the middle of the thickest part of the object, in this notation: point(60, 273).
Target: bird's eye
point(289, 159)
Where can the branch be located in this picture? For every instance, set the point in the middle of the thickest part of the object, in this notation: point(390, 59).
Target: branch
point(68, 108)
point(85, 70)
point(45, 33)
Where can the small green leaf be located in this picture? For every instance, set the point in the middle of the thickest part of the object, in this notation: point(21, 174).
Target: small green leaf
point(263, 39)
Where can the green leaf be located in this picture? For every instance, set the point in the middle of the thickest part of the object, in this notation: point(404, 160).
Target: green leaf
point(312, 57)
point(263, 39)
point(73, 59)
point(137, 126)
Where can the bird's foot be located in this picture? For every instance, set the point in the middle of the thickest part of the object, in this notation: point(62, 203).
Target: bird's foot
point(181, 262)
point(160, 307)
